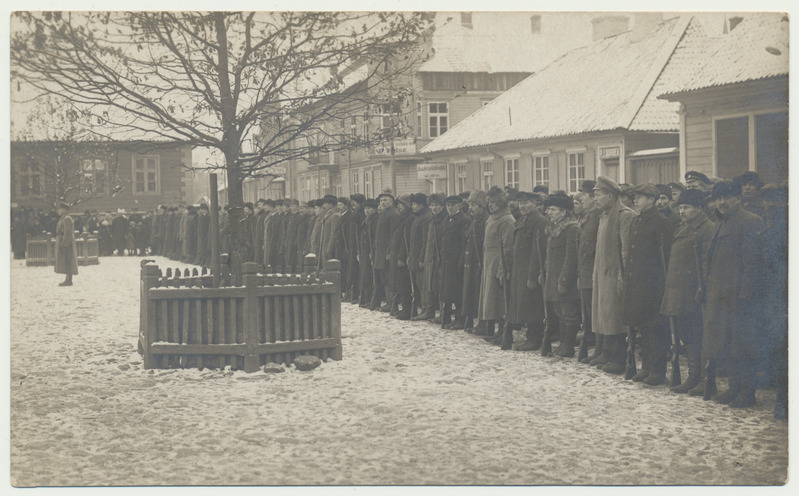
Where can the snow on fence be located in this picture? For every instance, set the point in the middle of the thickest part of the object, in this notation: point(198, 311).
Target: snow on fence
point(186, 322)
point(41, 251)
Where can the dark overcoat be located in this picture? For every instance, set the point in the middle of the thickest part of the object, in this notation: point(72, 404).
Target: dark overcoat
point(386, 225)
point(688, 259)
point(473, 263)
point(528, 250)
point(398, 254)
point(734, 269)
point(418, 238)
point(66, 259)
point(561, 262)
point(453, 235)
point(645, 279)
point(432, 254)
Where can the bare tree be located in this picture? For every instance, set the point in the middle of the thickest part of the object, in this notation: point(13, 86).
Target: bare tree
point(60, 160)
point(217, 79)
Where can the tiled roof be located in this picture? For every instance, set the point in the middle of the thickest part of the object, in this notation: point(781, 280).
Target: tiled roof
point(600, 87)
point(755, 49)
point(482, 48)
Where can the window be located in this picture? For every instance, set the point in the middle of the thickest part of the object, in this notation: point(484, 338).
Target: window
point(438, 116)
point(30, 179)
point(356, 182)
point(535, 24)
point(756, 142)
point(541, 170)
point(94, 176)
point(145, 175)
point(419, 119)
point(575, 160)
point(365, 128)
point(461, 176)
point(487, 174)
point(512, 172)
point(354, 126)
point(368, 191)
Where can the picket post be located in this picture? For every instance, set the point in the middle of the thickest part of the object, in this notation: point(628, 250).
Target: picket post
point(149, 279)
point(251, 359)
point(333, 275)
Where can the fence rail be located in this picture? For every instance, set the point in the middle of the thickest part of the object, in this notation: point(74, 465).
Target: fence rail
point(184, 322)
point(40, 252)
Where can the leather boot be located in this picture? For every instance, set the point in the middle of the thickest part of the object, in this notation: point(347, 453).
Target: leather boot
point(468, 326)
point(597, 350)
point(532, 342)
point(710, 380)
point(489, 331)
point(427, 314)
point(692, 356)
point(616, 354)
point(497, 338)
point(732, 391)
point(446, 315)
point(507, 337)
point(746, 397)
point(457, 325)
point(569, 335)
point(480, 328)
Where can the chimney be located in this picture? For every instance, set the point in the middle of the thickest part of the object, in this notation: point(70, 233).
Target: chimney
point(644, 24)
point(608, 25)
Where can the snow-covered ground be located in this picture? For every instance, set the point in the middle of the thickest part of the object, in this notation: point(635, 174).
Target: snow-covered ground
point(409, 404)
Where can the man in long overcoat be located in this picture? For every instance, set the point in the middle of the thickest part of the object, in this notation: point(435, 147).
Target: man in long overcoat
point(350, 232)
point(733, 283)
point(645, 279)
point(66, 259)
point(366, 236)
point(526, 302)
point(473, 257)
point(688, 260)
point(497, 256)
point(399, 278)
point(432, 257)
point(416, 246)
point(386, 224)
point(612, 249)
point(119, 231)
point(560, 273)
point(453, 235)
point(587, 226)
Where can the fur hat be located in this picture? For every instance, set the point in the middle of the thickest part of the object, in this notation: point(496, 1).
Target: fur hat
point(436, 198)
point(329, 199)
point(496, 193)
point(419, 198)
point(726, 188)
point(358, 198)
point(560, 200)
point(405, 200)
point(370, 204)
point(693, 197)
point(479, 197)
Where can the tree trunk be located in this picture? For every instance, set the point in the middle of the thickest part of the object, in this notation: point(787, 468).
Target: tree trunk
point(237, 251)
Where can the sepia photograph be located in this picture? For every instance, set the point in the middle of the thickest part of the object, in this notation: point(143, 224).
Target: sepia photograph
point(327, 246)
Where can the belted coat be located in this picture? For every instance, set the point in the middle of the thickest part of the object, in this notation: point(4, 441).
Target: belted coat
point(499, 226)
point(733, 280)
point(526, 263)
point(687, 260)
point(644, 276)
point(66, 259)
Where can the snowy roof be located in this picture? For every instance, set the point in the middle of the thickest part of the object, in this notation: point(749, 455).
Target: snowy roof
point(480, 48)
point(755, 49)
point(604, 86)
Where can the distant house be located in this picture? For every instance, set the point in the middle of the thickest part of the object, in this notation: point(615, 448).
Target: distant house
point(592, 111)
point(733, 98)
point(103, 176)
point(468, 60)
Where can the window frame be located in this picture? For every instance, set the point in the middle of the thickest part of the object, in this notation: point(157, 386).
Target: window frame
point(542, 182)
point(134, 181)
point(437, 116)
point(509, 182)
point(751, 123)
point(574, 182)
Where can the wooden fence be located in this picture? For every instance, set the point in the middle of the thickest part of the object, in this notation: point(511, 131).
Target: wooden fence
point(185, 322)
point(41, 251)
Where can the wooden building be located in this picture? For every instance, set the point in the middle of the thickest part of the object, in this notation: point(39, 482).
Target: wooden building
point(102, 176)
point(734, 101)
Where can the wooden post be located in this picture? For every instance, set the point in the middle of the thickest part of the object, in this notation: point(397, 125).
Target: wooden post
point(309, 263)
point(250, 276)
point(149, 279)
point(216, 265)
point(333, 274)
